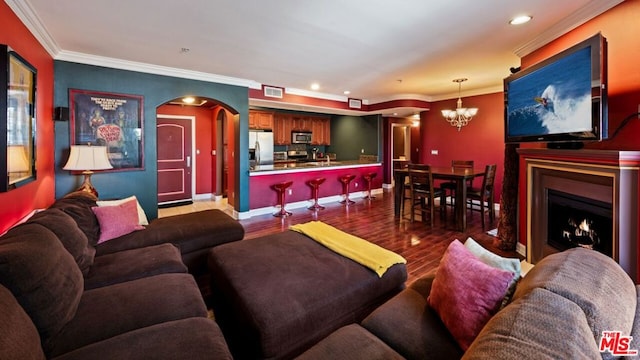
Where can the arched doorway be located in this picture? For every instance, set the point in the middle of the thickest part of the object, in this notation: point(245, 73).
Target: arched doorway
point(191, 139)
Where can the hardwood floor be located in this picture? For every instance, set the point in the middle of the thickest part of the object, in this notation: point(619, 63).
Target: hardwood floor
point(421, 244)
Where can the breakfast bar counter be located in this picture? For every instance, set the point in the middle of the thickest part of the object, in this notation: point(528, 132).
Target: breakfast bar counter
point(296, 167)
point(261, 178)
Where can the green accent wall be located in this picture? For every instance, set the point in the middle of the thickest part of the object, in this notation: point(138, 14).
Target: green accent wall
point(156, 90)
point(351, 134)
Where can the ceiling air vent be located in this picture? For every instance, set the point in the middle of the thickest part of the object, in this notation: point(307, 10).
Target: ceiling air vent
point(355, 103)
point(274, 92)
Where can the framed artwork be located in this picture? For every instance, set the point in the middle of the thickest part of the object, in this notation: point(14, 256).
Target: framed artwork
point(17, 120)
point(111, 120)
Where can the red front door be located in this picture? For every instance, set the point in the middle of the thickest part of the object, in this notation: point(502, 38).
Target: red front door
point(174, 160)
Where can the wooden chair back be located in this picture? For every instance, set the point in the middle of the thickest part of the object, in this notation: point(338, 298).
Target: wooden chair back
point(420, 178)
point(464, 164)
point(488, 181)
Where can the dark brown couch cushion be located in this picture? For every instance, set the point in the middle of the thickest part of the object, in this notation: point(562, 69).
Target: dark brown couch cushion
point(68, 232)
point(42, 275)
point(134, 264)
point(78, 205)
point(116, 309)
point(19, 339)
point(408, 325)
point(350, 342)
point(193, 339)
point(192, 233)
point(277, 295)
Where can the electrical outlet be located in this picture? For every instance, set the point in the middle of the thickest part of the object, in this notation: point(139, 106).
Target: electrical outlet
point(362, 151)
point(434, 152)
point(290, 191)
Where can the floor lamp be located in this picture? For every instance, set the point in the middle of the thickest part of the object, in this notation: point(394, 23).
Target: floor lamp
point(87, 158)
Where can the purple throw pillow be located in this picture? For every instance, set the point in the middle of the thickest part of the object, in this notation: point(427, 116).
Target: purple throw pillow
point(466, 293)
point(117, 220)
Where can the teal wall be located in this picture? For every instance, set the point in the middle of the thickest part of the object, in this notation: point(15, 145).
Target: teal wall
point(351, 134)
point(156, 90)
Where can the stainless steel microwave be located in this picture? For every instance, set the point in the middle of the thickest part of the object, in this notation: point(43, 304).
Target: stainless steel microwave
point(300, 137)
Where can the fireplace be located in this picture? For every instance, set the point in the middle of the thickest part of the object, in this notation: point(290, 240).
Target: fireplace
point(583, 198)
point(577, 221)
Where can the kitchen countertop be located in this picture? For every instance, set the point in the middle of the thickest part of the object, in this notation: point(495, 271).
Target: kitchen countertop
point(280, 168)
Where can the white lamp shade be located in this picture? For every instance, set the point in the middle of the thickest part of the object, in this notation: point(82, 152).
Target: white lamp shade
point(87, 157)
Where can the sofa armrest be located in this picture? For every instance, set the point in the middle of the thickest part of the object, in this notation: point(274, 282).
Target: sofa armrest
point(408, 325)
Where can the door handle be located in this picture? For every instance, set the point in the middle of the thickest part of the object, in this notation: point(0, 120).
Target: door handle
point(188, 161)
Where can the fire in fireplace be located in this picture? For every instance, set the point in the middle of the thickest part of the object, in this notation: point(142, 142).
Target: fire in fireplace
point(578, 221)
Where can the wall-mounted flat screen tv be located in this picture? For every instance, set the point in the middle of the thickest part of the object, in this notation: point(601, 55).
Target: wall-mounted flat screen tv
point(561, 99)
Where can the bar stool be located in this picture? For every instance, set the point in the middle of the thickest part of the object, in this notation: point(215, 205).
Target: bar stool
point(315, 184)
point(369, 178)
point(346, 180)
point(281, 188)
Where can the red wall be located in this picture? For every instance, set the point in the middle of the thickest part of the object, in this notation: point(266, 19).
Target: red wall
point(621, 28)
point(38, 194)
point(205, 133)
point(482, 140)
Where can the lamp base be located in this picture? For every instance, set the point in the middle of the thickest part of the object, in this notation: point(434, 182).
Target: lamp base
point(86, 184)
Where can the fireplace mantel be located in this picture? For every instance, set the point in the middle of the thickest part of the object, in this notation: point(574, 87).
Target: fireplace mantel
point(604, 175)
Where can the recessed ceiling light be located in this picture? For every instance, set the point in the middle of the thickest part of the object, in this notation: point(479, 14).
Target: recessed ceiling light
point(518, 20)
point(347, 92)
point(188, 100)
point(315, 86)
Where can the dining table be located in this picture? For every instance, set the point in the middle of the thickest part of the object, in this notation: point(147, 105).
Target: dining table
point(459, 175)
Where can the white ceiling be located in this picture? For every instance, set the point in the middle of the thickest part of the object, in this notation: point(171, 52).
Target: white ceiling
point(380, 50)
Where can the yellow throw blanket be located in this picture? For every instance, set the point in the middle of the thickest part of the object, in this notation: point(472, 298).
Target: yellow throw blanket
point(359, 250)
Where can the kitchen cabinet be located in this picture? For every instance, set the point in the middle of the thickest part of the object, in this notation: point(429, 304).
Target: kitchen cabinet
point(321, 129)
point(281, 129)
point(261, 120)
point(301, 123)
point(283, 124)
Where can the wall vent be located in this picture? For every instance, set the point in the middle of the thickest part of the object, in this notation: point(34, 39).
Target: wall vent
point(274, 92)
point(355, 103)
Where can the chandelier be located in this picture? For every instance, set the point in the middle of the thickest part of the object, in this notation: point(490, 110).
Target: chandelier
point(460, 116)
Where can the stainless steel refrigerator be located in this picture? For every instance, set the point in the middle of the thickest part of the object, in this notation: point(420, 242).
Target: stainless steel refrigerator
point(261, 147)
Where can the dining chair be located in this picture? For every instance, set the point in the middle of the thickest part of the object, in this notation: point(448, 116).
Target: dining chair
point(423, 193)
point(406, 192)
point(483, 195)
point(450, 186)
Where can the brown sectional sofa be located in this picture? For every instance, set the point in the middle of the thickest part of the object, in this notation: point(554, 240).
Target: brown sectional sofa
point(63, 296)
point(277, 295)
point(559, 311)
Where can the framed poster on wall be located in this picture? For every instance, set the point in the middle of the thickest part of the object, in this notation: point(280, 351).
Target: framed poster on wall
point(17, 120)
point(111, 120)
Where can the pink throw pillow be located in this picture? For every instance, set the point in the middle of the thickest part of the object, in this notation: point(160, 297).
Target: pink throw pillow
point(117, 220)
point(466, 292)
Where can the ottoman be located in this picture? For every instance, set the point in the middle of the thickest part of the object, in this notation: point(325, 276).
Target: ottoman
point(277, 295)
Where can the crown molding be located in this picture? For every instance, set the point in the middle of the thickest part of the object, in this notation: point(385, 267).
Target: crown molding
point(474, 92)
point(315, 94)
point(31, 20)
point(579, 17)
point(152, 69)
